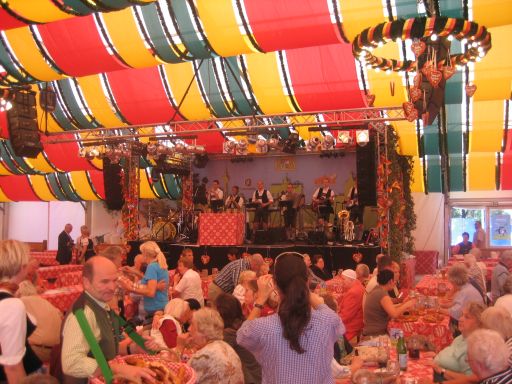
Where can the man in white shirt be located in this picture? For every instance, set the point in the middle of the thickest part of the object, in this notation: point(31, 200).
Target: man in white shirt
point(216, 197)
point(188, 283)
point(264, 199)
point(479, 236)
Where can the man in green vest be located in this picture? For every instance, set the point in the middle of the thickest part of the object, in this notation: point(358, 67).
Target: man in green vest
point(78, 364)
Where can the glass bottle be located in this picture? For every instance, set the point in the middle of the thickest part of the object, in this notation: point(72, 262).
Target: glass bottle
point(401, 351)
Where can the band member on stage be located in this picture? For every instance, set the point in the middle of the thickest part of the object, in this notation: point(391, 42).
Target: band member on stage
point(263, 199)
point(216, 197)
point(323, 198)
point(288, 202)
point(352, 205)
point(235, 200)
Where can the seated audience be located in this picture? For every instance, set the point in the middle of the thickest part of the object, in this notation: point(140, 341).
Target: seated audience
point(476, 277)
point(488, 357)
point(505, 301)
point(352, 304)
point(384, 262)
point(233, 254)
point(187, 282)
point(464, 246)
point(379, 308)
point(250, 297)
point(499, 320)
point(295, 344)
point(48, 321)
point(462, 294)
point(264, 269)
point(17, 357)
point(228, 277)
point(395, 292)
point(500, 274)
point(363, 274)
point(313, 280)
point(318, 268)
point(214, 361)
point(451, 362)
point(168, 325)
point(231, 312)
point(243, 280)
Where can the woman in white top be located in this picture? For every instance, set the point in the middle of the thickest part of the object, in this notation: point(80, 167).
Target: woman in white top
point(84, 245)
point(187, 282)
point(167, 327)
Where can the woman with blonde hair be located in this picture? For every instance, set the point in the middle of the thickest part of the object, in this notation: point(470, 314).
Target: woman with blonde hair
point(243, 280)
point(17, 357)
point(154, 299)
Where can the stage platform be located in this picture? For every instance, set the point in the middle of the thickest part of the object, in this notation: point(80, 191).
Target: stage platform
point(335, 256)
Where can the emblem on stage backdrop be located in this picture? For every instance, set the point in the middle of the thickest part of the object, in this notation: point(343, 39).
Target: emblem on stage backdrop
point(285, 164)
point(205, 259)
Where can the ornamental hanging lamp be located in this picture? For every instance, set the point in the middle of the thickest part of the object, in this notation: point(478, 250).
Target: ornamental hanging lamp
point(434, 64)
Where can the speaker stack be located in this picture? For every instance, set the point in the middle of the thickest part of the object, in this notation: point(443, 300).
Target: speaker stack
point(22, 124)
point(367, 173)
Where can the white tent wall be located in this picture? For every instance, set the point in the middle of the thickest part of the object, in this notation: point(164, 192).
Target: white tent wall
point(430, 222)
point(37, 221)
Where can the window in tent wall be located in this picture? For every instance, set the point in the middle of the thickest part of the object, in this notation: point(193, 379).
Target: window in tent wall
point(462, 219)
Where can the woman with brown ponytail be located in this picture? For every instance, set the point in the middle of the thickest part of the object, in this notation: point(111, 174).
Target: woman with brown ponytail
point(295, 345)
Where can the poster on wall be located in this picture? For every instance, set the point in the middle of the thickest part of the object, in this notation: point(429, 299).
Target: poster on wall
point(285, 164)
point(500, 230)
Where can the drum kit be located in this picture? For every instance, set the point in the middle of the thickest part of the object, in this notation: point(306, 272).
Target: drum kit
point(177, 226)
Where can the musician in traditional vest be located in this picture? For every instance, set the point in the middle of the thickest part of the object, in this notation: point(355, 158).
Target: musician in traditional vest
point(235, 200)
point(323, 199)
point(352, 205)
point(263, 199)
point(216, 197)
point(288, 202)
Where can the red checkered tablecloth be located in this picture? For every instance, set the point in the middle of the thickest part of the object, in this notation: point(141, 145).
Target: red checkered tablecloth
point(46, 273)
point(438, 334)
point(69, 278)
point(45, 257)
point(221, 228)
point(489, 265)
point(428, 285)
point(63, 297)
point(426, 261)
point(407, 273)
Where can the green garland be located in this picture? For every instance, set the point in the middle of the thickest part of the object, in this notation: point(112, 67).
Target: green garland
point(398, 205)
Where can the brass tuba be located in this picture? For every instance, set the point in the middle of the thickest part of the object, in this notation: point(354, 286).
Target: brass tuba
point(343, 214)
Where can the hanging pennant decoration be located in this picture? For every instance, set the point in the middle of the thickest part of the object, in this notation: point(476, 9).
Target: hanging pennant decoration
point(470, 89)
point(370, 99)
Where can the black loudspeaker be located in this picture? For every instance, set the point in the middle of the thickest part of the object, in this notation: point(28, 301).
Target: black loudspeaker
point(22, 124)
point(262, 237)
point(113, 188)
point(367, 173)
point(317, 237)
point(277, 235)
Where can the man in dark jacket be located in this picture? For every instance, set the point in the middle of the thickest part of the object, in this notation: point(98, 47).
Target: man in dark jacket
point(65, 247)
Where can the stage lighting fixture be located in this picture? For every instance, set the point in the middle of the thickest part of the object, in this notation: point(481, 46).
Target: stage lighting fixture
point(291, 143)
point(313, 144)
point(328, 143)
point(229, 146)
point(344, 137)
point(261, 146)
point(362, 137)
point(242, 147)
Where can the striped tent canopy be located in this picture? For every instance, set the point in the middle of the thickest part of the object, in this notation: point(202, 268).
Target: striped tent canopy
point(119, 63)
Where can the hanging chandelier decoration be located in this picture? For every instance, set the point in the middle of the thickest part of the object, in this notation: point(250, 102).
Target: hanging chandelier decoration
point(430, 41)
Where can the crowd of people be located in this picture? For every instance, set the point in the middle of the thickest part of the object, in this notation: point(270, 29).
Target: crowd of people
point(259, 323)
